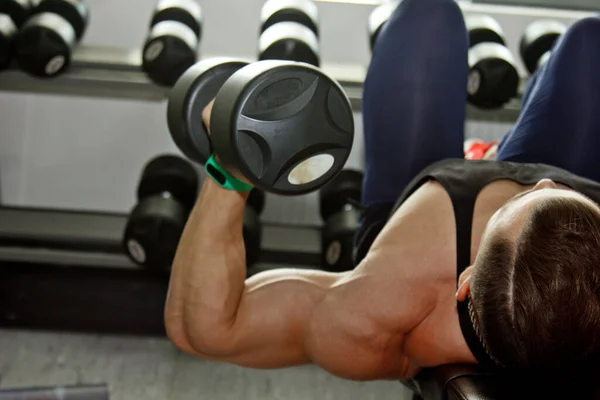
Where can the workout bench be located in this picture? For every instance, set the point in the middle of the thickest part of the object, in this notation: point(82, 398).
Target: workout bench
point(470, 382)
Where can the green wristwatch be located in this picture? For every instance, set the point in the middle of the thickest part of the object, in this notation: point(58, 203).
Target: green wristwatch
point(222, 177)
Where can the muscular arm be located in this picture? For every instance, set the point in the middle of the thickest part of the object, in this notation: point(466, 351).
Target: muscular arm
point(350, 324)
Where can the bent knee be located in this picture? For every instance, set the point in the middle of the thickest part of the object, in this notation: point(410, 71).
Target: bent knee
point(425, 13)
point(583, 34)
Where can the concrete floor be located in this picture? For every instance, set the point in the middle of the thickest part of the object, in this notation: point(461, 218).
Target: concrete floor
point(152, 369)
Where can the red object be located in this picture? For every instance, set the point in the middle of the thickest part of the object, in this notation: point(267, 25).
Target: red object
point(477, 150)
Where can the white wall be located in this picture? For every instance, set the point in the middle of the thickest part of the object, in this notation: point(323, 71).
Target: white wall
point(86, 153)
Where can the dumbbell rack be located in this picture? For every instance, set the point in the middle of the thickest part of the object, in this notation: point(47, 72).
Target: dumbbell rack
point(116, 73)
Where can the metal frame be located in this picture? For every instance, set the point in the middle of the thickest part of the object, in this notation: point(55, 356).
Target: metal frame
point(116, 73)
point(71, 238)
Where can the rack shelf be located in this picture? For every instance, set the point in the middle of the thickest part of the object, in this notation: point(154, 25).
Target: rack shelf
point(116, 73)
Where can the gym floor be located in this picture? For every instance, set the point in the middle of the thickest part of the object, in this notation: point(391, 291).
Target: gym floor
point(153, 369)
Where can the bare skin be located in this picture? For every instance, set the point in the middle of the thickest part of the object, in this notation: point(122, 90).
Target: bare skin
point(394, 314)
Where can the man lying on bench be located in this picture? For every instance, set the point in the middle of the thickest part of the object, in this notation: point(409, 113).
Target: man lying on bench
point(459, 261)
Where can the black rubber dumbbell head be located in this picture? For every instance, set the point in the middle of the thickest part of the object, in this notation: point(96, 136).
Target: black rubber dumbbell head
point(285, 126)
point(378, 17)
point(345, 188)
point(17, 10)
point(304, 12)
point(166, 193)
point(187, 12)
point(153, 231)
point(172, 175)
point(192, 92)
point(484, 29)
point(170, 49)
point(43, 45)
point(75, 12)
point(493, 77)
point(289, 41)
point(339, 201)
point(7, 32)
point(538, 39)
point(252, 227)
point(337, 240)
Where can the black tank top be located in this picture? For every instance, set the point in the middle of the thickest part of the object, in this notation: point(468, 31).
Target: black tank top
point(463, 180)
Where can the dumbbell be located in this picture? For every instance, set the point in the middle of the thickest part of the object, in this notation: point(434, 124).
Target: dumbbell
point(7, 32)
point(252, 227)
point(171, 46)
point(493, 75)
point(287, 127)
point(12, 16)
point(166, 194)
point(339, 200)
point(289, 31)
point(378, 17)
point(45, 43)
point(537, 42)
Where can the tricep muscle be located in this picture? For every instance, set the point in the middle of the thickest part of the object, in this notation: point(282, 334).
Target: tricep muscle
point(292, 317)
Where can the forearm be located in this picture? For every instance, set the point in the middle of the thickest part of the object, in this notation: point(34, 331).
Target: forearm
point(209, 269)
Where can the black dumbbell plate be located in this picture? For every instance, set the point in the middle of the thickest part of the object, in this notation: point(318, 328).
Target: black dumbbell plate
point(286, 126)
point(197, 87)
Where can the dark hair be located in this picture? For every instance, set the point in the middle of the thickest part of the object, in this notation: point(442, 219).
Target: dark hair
point(536, 299)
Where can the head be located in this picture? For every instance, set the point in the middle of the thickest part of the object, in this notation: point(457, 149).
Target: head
point(534, 288)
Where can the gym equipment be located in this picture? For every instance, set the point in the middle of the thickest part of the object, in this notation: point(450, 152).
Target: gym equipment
point(537, 42)
point(17, 10)
point(339, 201)
point(171, 46)
point(12, 15)
point(252, 228)
point(166, 194)
point(7, 31)
point(493, 76)
point(285, 126)
point(378, 18)
point(45, 43)
point(289, 31)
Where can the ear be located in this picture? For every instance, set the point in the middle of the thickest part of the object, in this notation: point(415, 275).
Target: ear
point(464, 284)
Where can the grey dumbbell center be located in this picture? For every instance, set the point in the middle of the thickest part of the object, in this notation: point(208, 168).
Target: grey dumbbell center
point(7, 26)
point(544, 59)
point(288, 31)
point(56, 23)
point(482, 23)
point(333, 252)
point(538, 29)
point(190, 6)
point(271, 7)
point(169, 29)
point(378, 17)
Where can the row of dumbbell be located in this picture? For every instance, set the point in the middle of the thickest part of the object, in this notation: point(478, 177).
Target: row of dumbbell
point(288, 31)
point(494, 79)
point(167, 192)
point(41, 36)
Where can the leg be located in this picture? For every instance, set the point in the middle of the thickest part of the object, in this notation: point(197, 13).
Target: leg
point(560, 123)
point(524, 101)
point(414, 103)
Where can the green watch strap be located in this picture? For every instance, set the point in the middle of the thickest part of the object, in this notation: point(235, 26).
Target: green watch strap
point(222, 177)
